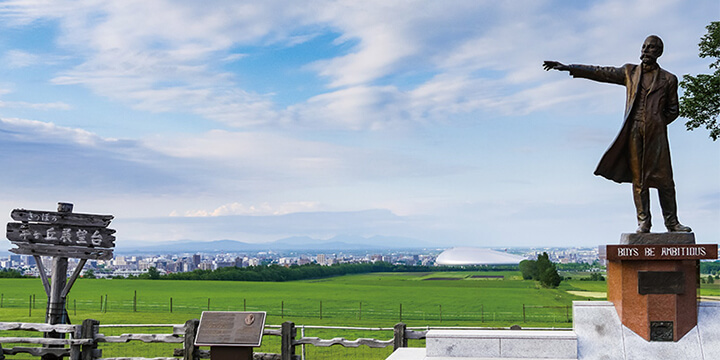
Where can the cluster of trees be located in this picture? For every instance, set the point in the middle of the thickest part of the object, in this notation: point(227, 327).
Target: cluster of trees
point(710, 267)
point(700, 102)
point(10, 273)
point(594, 277)
point(580, 266)
point(275, 272)
point(542, 270)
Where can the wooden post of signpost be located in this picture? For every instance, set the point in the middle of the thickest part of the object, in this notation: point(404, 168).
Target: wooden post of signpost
point(61, 235)
point(56, 300)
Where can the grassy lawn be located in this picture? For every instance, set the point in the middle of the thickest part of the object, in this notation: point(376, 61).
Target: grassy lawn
point(372, 300)
point(365, 300)
point(710, 289)
point(358, 300)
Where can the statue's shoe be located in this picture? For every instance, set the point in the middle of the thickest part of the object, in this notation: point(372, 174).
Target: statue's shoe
point(643, 227)
point(678, 228)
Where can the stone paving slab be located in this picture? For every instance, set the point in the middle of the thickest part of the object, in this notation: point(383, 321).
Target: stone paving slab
point(526, 344)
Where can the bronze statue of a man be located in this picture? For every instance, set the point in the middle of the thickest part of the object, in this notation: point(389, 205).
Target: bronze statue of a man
point(641, 153)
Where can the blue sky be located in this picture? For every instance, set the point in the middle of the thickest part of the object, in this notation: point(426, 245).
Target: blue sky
point(260, 120)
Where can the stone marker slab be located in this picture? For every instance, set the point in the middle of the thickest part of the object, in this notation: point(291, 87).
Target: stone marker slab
point(505, 344)
point(408, 354)
point(598, 329)
point(709, 328)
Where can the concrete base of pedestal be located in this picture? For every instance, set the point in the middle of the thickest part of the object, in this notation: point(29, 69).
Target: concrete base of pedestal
point(602, 336)
point(597, 334)
point(493, 344)
point(419, 354)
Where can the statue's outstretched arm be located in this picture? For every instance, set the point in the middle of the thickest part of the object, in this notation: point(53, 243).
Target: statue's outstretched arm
point(555, 65)
point(606, 74)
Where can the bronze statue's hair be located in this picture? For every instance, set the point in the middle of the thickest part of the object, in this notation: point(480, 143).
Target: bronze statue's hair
point(659, 41)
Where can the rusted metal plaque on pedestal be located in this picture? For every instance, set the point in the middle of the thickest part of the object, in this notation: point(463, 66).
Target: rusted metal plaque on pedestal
point(230, 328)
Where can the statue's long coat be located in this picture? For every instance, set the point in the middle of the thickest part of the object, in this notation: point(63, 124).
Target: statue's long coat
point(661, 108)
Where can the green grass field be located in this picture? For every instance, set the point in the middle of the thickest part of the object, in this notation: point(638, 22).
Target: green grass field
point(361, 300)
point(368, 300)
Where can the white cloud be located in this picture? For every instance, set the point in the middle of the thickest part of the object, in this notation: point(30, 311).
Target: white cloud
point(43, 132)
point(19, 59)
point(282, 159)
point(355, 108)
point(234, 57)
point(35, 106)
point(262, 209)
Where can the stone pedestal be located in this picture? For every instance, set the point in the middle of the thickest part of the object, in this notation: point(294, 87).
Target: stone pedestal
point(653, 281)
point(654, 316)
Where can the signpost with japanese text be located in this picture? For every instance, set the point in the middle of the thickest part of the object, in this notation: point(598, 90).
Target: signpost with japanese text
point(61, 234)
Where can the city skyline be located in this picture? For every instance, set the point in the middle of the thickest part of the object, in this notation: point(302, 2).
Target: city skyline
point(262, 121)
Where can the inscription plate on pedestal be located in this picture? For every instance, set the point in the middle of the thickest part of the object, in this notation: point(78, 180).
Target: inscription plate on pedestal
point(230, 328)
point(659, 252)
point(661, 282)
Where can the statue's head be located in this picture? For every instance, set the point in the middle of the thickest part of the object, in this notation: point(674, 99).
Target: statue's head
point(652, 48)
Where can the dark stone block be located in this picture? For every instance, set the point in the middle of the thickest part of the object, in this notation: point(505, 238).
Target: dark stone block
point(661, 331)
point(661, 282)
point(669, 238)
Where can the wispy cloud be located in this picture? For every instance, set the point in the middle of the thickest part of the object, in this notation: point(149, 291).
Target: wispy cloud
point(283, 159)
point(35, 106)
point(42, 132)
point(262, 209)
point(20, 59)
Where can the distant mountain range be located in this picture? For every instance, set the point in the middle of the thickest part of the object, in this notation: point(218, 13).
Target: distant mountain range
point(295, 243)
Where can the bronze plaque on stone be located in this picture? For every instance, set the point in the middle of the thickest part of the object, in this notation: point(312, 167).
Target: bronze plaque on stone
point(661, 331)
point(230, 328)
point(661, 282)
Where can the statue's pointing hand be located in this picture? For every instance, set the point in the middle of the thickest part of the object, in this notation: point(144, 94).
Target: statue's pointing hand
point(555, 65)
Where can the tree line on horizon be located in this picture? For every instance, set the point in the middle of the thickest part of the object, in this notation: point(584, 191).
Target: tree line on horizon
point(278, 273)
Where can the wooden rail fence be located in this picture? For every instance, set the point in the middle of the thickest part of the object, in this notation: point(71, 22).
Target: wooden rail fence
point(80, 342)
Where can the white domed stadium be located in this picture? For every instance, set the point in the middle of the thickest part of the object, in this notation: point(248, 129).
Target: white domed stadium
point(476, 256)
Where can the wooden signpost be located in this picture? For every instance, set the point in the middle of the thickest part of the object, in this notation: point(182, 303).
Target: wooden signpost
point(62, 235)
